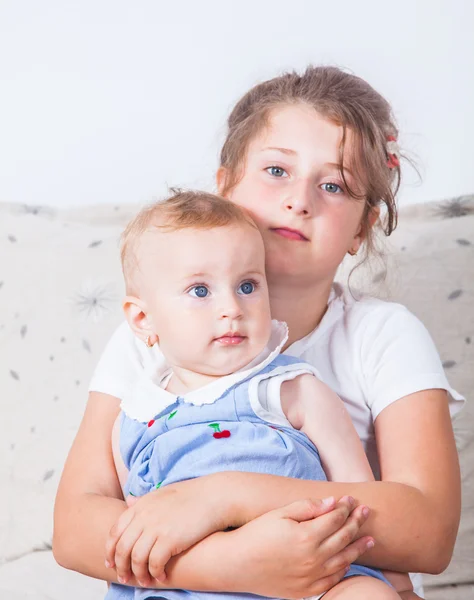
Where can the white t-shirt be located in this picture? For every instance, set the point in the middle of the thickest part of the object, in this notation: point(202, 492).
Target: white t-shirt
point(370, 352)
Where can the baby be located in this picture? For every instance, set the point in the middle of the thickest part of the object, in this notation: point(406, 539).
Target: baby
point(226, 398)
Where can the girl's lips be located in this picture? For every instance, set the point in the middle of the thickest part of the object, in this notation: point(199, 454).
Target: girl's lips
point(290, 234)
point(230, 340)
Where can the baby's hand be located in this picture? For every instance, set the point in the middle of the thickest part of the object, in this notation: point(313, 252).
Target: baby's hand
point(131, 500)
point(159, 525)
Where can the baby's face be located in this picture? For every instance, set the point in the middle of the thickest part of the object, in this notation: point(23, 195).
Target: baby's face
point(206, 296)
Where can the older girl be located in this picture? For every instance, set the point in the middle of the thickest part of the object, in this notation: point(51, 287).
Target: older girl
point(312, 157)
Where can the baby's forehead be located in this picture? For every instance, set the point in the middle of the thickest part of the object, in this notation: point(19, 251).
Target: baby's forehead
point(153, 245)
point(164, 248)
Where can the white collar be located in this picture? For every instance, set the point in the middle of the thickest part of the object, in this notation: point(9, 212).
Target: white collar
point(148, 398)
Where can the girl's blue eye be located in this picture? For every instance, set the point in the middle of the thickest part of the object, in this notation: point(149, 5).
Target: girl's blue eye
point(276, 171)
point(247, 287)
point(332, 188)
point(200, 291)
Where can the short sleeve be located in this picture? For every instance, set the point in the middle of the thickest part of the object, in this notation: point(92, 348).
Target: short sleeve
point(119, 366)
point(399, 357)
point(264, 391)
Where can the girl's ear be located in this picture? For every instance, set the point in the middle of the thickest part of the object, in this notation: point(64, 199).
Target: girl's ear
point(137, 318)
point(366, 225)
point(221, 178)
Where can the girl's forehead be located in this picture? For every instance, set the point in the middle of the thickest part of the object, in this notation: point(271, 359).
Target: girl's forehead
point(300, 133)
point(294, 129)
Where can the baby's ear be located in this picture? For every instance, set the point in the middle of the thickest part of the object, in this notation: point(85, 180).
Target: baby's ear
point(137, 317)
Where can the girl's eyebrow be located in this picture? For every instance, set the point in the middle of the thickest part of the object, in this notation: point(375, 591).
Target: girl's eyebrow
point(338, 167)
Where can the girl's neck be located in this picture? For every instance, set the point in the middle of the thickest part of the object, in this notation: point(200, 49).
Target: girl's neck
point(301, 308)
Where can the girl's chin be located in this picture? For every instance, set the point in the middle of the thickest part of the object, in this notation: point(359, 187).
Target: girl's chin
point(282, 266)
point(288, 275)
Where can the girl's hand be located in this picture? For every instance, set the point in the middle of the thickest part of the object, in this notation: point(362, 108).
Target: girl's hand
point(162, 524)
point(295, 552)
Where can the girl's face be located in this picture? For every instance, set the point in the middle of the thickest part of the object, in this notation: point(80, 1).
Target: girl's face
point(293, 189)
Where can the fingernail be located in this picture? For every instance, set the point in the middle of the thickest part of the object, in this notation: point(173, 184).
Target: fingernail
point(141, 583)
point(365, 512)
point(328, 501)
point(370, 544)
point(162, 578)
point(107, 564)
point(349, 499)
point(122, 580)
point(347, 569)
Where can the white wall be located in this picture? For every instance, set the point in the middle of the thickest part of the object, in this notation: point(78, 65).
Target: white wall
point(110, 100)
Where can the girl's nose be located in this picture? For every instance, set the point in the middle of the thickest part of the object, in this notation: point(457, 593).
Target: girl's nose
point(295, 206)
point(299, 200)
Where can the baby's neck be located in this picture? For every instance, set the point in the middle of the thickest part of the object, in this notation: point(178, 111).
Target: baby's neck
point(183, 381)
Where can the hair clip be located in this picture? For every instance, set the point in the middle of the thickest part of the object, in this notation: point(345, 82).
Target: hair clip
point(393, 151)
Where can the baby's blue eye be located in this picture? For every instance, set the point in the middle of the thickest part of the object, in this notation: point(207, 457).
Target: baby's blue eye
point(332, 188)
point(276, 171)
point(200, 291)
point(247, 287)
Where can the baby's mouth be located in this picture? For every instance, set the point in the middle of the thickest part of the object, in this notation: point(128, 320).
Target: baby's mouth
point(231, 338)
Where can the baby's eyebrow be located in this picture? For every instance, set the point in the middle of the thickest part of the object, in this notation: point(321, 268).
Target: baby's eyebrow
point(284, 150)
point(253, 272)
point(194, 276)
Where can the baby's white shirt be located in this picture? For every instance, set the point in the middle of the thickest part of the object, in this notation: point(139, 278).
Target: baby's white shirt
point(149, 396)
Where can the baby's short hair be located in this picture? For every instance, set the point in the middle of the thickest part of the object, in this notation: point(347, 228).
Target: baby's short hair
point(184, 209)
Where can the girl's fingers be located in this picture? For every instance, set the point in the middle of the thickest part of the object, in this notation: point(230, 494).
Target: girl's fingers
point(345, 534)
point(305, 510)
point(123, 552)
point(350, 554)
point(114, 535)
point(140, 557)
point(328, 524)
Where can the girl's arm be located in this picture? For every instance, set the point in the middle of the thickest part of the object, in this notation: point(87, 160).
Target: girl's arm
point(417, 449)
point(89, 503)
point(89, 498)
point(415, 509)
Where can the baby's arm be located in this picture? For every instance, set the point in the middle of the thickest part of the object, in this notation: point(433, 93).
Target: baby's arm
point(313, 408)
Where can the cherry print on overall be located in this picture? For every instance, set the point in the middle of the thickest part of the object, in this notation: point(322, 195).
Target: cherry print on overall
point(170, 416)
point(218, 434)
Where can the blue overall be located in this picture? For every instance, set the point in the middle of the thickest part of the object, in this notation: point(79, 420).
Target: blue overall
point(186, 441)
